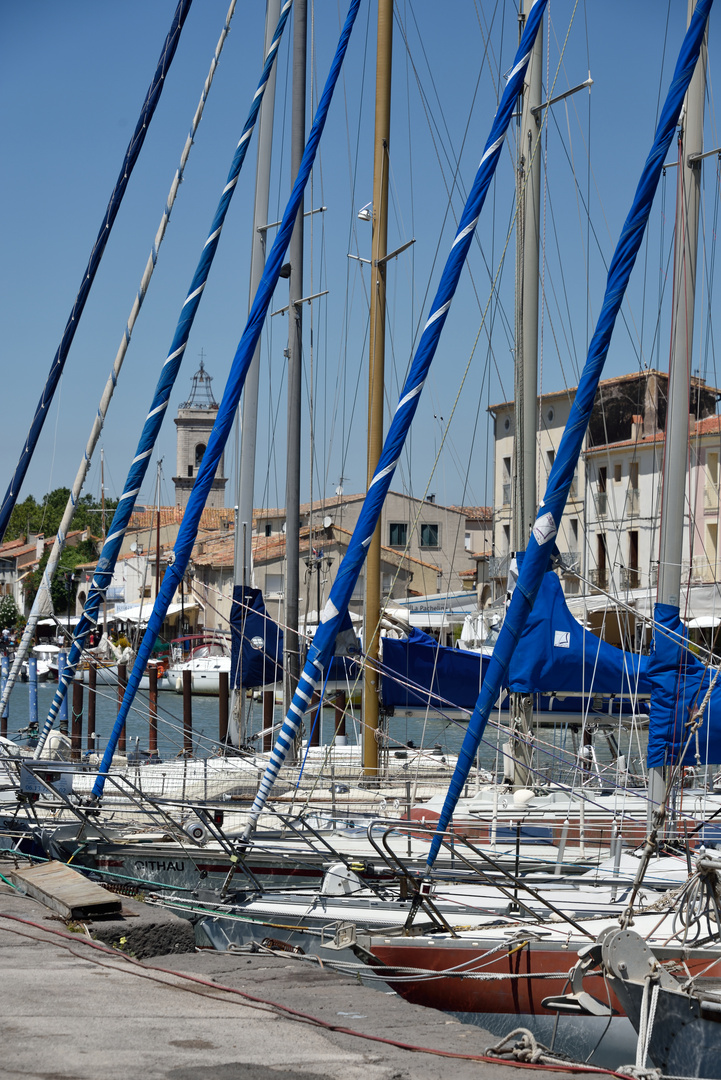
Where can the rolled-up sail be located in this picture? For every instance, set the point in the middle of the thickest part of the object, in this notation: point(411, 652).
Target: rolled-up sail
point(321, 650)
point(131, 156)
point(153, 421)
point(540, 547)
point(229, 403)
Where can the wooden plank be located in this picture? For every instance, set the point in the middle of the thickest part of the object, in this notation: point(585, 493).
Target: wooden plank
point(64, 890)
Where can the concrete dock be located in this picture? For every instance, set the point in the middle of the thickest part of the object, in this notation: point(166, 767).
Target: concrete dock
point(72, 1010)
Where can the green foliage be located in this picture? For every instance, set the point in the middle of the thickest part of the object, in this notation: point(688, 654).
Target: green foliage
point(31, 516)
point(63, 588)
point(9, 613)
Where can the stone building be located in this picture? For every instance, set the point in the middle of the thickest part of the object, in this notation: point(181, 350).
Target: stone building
point(194, 423)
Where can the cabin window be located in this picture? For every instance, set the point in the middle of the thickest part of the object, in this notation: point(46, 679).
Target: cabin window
point(398, 534)
point(429, 535)
point(199, 451)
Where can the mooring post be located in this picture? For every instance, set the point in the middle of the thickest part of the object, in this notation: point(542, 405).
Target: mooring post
point(76, 729)
point(92, 683)
point(223, 685)
point(153, 709)
point(187, 712)
point(122, 683)
point(268, 710)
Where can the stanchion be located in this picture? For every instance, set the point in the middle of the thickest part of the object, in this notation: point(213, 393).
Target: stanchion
point(92, 684)
point(268, 709)
point(187, 712)
point(223, 684)
point(63, 713)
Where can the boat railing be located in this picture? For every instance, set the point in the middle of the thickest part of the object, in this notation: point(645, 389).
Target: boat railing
point(456, 846)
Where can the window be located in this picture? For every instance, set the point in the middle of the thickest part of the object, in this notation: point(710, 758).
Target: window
point(429, 535)
point(507, 537)
point(268, 529)
point(506, 481)
point(574, 534)
point(602, 478)
point(617, 472)
point(190, 470)
point(398, 534)
point(633, 475)
point(199, 451)
point(633, 559)
point(467, 542)
point(550, 458)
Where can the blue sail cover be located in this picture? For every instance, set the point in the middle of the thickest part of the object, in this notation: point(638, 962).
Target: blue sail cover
point(257, 645)
point(131, 156)
point(546, 526)
point(680, 683)
point(418, 673)
point(556, 653)
point(257, 641)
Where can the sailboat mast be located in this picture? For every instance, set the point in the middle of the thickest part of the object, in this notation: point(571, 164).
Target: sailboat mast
point(376, 373)
point(673, 497)
point(525, 498)
point(528, 204)
point(295, 359)
point(249, 425)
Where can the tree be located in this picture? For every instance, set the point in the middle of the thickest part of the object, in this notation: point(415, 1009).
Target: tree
point(63, 587)
point(31, 516)
point(9, 613)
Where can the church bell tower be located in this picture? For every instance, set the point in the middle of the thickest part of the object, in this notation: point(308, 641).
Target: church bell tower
point(194, 421)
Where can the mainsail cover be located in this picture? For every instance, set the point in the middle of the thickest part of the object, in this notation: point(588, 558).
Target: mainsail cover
point(336, 608)
point(153, 421)
point(555, 655)
point(680, 686)
point(545, 529)
point(229, 403)
point(131, 156)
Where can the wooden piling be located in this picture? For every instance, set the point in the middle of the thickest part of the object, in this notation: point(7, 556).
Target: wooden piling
point(268, 709)
point(153, 709)
point(315, 725)
point(339, 707)
point(92, 683)
point(122, 683)
point(76, 728)
point(223, 685)
point(187, 711)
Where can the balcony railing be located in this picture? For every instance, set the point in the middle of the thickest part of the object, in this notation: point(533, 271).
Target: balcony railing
point(699, 572)
point(633, 502)
point(630, 578)
point(599, 579)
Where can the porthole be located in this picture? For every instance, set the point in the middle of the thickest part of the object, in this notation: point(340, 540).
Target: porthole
point(550, 415)
point(507, 423)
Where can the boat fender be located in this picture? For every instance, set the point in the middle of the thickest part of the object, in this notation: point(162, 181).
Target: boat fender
point(340, 880)
point(522, 796)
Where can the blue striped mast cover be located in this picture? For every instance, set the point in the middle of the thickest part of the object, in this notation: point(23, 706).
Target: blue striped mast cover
point(42, 598)
point(231, 396)
point(131, 156)
point(321, 650)
point(540, 546)
point(153, 422)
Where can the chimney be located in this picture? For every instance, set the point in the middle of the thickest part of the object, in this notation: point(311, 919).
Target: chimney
point(39, 546)
point(636, 428)
point(650, 405)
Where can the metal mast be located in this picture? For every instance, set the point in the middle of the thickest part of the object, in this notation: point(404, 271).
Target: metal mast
point(673, 498)
point(249, 423)
point(295, 359)
point(376, 375)
point(528, 205)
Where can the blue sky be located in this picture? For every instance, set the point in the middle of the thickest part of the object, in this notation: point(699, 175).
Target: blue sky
point(74, 77)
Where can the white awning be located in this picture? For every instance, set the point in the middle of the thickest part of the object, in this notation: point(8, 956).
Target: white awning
point(142, 612)
point(703, 622)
